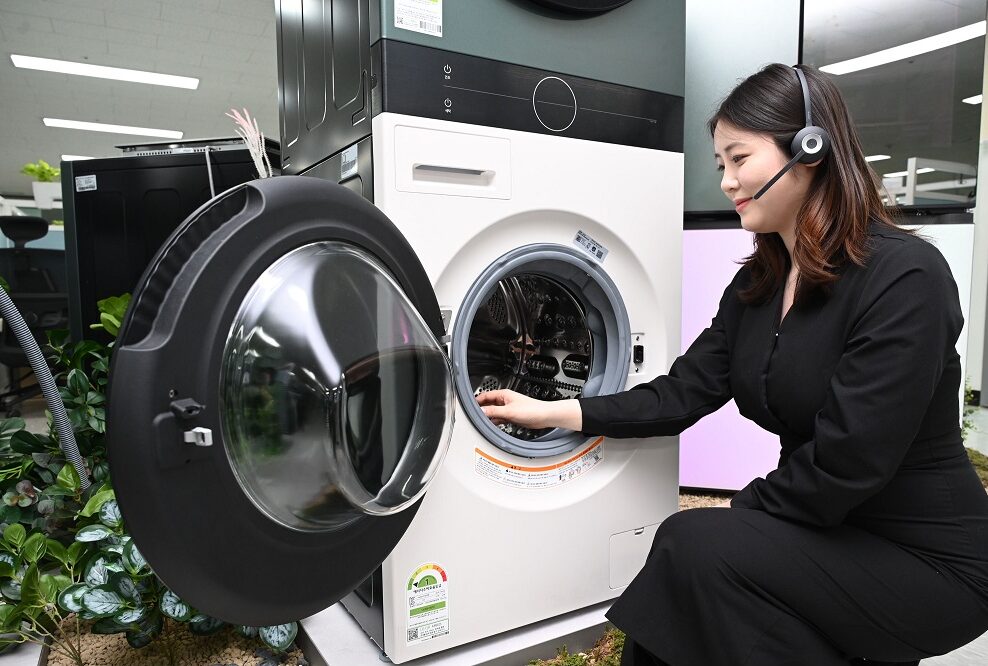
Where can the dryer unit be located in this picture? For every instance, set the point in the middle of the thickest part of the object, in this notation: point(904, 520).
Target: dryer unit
point(559, 67)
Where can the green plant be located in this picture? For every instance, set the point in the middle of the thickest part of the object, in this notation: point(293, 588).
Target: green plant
point(980, 462)
point(65, 553)
point(606, 652)
point(968, 410)
point(41, 171)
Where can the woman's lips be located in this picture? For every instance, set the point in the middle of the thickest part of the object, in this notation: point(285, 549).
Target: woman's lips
point(741, 204)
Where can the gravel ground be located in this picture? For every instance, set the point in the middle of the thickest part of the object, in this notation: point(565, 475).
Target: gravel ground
point(178, 647)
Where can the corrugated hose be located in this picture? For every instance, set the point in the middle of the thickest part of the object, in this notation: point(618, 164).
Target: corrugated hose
point(66, 437)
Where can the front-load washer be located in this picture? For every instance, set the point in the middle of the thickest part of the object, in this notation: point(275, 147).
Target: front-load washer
point(557, 279)
point(281, 396)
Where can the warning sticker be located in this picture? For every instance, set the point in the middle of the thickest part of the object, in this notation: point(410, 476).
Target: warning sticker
point(547, 476)
point(589, 245)
point(85, 183)
point(348, 163)
point(425, 16)
point(428, 604)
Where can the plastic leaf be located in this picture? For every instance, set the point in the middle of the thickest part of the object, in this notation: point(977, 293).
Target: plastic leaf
point(172, 606)
point(130, 616)
point(97, 572)
point(69, 478)
point(279, 636)
point(203, 625)
point(109, 514)
point(34, 547)
point(70, 599)
point(132, 559)
point(56, 550)
point(14, 535)
point(102, 602)
point(96, 502)
point(109, 625)
point(146, 631)
point(93, 533)
point(11, 589)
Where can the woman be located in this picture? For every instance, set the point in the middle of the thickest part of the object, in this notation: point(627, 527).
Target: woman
point(869, 543)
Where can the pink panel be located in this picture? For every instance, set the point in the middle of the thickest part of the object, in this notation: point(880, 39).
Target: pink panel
point(724, 450)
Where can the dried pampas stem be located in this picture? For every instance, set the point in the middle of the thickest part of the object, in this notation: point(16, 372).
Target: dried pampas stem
point(252, 135)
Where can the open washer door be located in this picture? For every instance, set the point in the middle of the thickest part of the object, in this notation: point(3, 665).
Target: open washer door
point(279, 400)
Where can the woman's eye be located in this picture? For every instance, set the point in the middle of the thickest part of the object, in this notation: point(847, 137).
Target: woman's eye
point(720, 167)
point(737, 158)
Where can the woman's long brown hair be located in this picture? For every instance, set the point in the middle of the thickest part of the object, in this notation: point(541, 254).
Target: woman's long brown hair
point(832, 224)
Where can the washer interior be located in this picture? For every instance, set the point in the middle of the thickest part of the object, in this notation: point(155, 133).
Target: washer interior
point(531, 336)
point(546, 321)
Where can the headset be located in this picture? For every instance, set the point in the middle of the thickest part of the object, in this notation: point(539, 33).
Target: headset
point(810, 144)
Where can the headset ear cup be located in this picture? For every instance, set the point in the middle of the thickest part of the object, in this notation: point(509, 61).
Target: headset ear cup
point(813, 141)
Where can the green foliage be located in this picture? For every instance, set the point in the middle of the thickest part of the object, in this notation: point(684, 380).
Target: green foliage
point(968, 409)
point(65, 551)
point(111, 313)
point(980, 462)
point(41, 171)
point(606, 652)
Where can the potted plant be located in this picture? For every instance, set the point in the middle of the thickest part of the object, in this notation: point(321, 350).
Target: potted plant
point(68, 567)
point(47, 185)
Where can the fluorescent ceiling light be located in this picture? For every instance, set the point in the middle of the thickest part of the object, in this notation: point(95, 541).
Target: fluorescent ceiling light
point(876, 158)
point(73, 158)
point(99, 71)
point(909, 50)
point(972, 100)
point(113, 129)
point(902, 174)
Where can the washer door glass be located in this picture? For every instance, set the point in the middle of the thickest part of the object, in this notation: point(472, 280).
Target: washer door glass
point(335, 393)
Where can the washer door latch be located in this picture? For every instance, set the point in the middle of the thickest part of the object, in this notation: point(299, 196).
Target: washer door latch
point(199, 436)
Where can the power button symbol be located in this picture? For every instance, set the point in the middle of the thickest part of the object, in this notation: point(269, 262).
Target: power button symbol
point(448, 69)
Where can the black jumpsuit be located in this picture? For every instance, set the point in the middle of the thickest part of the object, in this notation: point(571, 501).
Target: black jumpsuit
point(870, 540)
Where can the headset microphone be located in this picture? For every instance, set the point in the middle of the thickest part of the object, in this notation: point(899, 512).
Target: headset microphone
point(810, 144)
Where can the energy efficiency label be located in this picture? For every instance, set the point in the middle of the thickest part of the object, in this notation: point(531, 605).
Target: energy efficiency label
point(428, 604)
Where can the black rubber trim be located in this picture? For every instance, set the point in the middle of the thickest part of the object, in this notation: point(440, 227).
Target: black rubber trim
point(182, 503)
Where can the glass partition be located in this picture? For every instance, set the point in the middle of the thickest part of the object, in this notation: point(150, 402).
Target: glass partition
point(917, 108)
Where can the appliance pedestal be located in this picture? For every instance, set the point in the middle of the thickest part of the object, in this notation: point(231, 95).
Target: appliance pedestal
point(333, 638)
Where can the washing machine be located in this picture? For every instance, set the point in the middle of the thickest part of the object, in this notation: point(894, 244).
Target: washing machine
point(299, 354)
point(285, 384)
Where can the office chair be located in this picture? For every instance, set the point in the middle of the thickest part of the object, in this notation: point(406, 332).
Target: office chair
point(36, 278)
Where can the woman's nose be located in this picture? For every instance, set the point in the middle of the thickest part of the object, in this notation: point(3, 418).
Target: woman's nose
point(728, 183)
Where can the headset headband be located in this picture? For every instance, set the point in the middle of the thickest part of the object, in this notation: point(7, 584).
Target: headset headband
point(806, 95)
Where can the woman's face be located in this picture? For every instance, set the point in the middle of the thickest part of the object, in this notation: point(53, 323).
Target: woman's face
point(748, 161)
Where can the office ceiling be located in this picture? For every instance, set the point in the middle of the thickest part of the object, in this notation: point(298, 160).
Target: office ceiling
point(908, 108)
point(228, 44)
point(904, 109)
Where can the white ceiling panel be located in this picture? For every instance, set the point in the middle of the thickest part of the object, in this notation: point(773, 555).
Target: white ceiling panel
point(228, 44)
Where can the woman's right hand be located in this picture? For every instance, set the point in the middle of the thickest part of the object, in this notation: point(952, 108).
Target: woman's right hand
point(506, 406)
